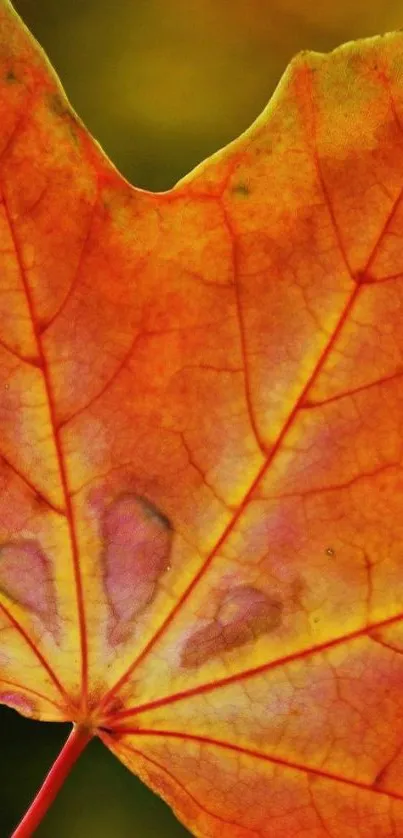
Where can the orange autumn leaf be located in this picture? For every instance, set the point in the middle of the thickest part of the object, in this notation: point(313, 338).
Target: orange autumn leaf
point(201, 445)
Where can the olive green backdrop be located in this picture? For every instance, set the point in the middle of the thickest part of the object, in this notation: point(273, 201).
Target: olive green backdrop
point(161, 84)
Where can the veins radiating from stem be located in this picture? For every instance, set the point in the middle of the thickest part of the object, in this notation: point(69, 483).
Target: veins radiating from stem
point(302, 401)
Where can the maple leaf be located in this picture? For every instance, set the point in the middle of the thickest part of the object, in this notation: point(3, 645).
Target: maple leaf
point(201, 450)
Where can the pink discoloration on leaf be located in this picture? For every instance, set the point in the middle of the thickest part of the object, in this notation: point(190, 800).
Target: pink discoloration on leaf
point(18, 702)
point(137, 547)
point(25, 578)
point(244, 614)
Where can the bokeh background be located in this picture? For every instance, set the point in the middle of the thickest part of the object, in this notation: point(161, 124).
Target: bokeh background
point(161, 84)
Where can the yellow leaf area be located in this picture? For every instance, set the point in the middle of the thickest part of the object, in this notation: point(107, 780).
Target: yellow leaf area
point(201, 443)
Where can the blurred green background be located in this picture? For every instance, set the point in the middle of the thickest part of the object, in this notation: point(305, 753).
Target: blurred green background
point(161, 84)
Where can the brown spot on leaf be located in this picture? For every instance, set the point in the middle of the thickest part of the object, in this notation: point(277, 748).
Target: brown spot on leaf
point(10, 77)
point(60, 107)
point(244, 614)
point(241, 189)
point(57, 105)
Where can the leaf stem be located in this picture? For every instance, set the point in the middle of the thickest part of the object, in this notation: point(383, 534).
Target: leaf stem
point(73, 747)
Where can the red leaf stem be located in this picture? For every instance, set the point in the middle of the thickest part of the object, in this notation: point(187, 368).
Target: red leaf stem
point(75, 744)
